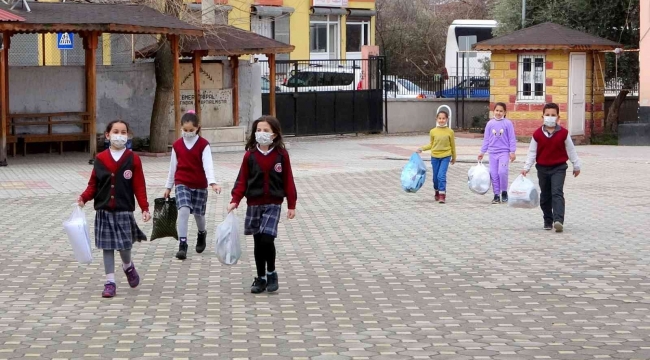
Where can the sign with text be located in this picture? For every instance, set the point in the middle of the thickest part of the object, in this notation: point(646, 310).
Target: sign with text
point(330, 3)
point(216, 107)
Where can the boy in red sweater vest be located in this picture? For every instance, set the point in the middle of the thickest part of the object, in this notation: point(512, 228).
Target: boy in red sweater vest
point(551, 147)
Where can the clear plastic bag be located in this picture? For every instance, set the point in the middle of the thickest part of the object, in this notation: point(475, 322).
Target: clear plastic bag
point(79, 236)
point(478, 179)
point(523, 194)
point(414, 174)
point(227, 245)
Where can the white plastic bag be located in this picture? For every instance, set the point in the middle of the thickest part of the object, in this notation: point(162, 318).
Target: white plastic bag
point(79, 236)
point(523, 194)
point(227, 245)
point(478, 179)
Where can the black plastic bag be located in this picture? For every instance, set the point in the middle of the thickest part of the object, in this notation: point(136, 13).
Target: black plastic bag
point(164, 219)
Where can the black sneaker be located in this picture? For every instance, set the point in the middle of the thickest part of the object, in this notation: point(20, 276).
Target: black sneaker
point(504, 197)
point(259, 285)
point(272, 282)
point(559, 227)
point(182, 251)
point(548, 226)
point(200, 241)
point(496, 199)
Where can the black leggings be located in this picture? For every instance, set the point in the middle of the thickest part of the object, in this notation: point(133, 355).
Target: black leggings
point(264, 253)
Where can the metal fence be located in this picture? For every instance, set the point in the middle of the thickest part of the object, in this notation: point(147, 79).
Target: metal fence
point(43, 49)
point(328, 96)
point(437, 86)
point(350, 75)
point(614, 86)
point(317, 75)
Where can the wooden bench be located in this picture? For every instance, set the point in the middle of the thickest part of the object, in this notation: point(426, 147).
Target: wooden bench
point(51, 137)
point(11, 140)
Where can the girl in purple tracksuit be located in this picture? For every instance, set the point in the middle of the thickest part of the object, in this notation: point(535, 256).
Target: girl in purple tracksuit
point(501, 143)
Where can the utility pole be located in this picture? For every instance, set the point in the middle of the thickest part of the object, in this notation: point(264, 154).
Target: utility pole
point(523, 14)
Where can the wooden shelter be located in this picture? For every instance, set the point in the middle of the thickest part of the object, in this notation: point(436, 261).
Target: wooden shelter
point(232, 42)
point(89, 21)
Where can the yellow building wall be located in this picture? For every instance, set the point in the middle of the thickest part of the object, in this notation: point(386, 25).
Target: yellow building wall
point(240, 15)
point(299, 23)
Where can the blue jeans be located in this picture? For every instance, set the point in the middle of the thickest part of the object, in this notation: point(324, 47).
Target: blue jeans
point(440, 167)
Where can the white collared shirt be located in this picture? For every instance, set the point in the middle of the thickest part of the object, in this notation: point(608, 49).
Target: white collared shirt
point(568, 143)
point(117, 154)
point(264, 152)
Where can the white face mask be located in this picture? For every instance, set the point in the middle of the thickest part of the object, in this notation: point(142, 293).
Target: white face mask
point(550, 121)
point(264, 138)
point(118, 141)
point(188, 134)
point(443, 125)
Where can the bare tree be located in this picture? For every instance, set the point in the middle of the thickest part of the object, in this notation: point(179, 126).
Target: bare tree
point(163, 62)
point(413, 33)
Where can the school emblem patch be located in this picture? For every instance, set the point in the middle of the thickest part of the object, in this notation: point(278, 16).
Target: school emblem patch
point(128, 174)
point(278, 168)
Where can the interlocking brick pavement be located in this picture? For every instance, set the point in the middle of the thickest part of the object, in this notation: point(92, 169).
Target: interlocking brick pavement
point(366, 270)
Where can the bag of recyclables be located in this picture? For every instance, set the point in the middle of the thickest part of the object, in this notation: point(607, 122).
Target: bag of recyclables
point(478, 179)
point(77, 229)
point(414, 174)
point(227, 245)
point(523, 194)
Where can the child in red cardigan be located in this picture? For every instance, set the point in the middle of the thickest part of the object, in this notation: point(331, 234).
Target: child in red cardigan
point(191, 171)
point(265, 179)
point(116, 179)
point(551, 147)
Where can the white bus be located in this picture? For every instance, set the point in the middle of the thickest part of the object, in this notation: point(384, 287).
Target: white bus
point(462, 34)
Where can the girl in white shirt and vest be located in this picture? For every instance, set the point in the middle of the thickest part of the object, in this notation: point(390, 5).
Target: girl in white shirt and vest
point(191, 171)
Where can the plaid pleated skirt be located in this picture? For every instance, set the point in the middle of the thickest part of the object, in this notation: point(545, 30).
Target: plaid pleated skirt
point(116, 230)
point(262, 219)
point(195, 199)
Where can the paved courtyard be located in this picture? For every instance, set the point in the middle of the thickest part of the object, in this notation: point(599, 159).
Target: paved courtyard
point(366, 270)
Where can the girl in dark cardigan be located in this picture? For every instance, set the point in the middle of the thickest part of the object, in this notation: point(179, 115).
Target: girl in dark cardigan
point(265, 179)
point(116, 181)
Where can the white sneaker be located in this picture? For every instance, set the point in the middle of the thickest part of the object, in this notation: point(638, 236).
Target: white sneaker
point(559, 227)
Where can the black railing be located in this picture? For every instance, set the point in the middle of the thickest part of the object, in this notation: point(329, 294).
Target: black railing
point(614, 86)
point(437, 86)
point(318, 75)
point(352, 75)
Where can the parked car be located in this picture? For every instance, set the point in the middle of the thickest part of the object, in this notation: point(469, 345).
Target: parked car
point(474, 87)
point(404, 89)
point(319, 78)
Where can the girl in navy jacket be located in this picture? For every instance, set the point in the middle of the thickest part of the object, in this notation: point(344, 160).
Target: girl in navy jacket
point(116, 182)
point(265, 179)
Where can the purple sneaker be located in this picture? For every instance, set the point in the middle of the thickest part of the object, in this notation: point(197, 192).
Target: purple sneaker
point(132, 276)
point(109, 290)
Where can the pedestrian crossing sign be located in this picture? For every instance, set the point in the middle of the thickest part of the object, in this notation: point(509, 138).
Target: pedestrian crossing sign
point(65, 41)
